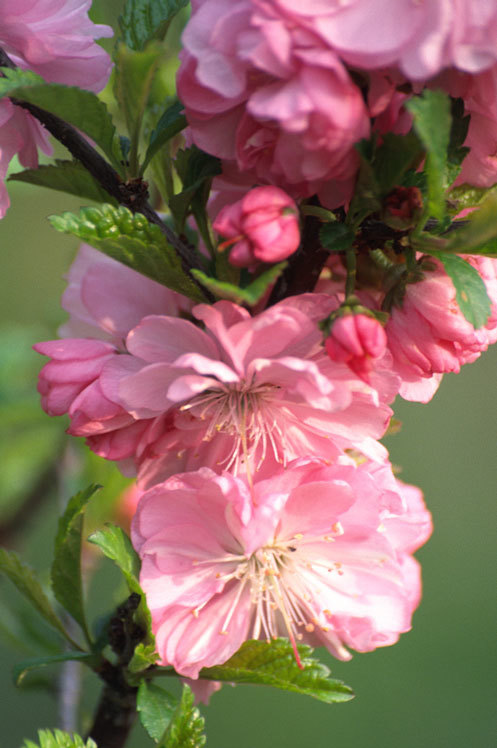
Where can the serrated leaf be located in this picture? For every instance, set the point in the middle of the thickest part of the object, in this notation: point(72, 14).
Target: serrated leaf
point(274, 665)
point(129, 238)
point(143, 20)
point(336, 237)
point(170, 124)
point(471, 293)
point(144, 656)
point(28, 585)
point(116, 545)
point(251, 294)
point(66, 578)
point(64, 176)
point(59, 739)
point(396, 155)
point(156, 707)
point(82, 109)
point(186, 728)
point(196, 170)
point(432, 123)
point(20, 670)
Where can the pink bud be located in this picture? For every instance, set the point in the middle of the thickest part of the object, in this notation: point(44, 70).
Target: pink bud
point(355, 340)
point(262, 226)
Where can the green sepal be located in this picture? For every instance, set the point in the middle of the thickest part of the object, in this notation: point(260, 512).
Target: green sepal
point(471, 293)
point(59, 739)
point(64, 176)
point(129, 238)
point(249, 295)
point(186, 728)
point(274, 664)
point(171, 122)
point(156, 707)
point(82, 109)
point(20, 670)
point(144, 20)
point(67, 584)
point(336, 237)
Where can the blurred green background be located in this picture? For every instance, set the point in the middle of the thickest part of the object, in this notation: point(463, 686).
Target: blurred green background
point(435, 688)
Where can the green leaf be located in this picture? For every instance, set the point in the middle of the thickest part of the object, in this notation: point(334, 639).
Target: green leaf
point(64, 176)
point(66, 578)
point(432, 123)
point(366, 198)
point(196, 170)
point(186, 728)
point(59, 739)
point(274, 665)
point(82, 109)
point(23, 668)
point(479, 236)
point(396, 155)
point(26, 582)
point(471, 293)
point(144, 656)
point(456, 152)
point(129, 238)
point(251, 294)
point(143, 20)
point(156, 708)
point(116, 545)
point(336, 237)
point(170, 124)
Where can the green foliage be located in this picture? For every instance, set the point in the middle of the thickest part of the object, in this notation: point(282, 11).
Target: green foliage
point(186, 728)
point(23, 668)
point(82, 109)
point(274, 665)
point(456, 152)
point(156, 708)
point(366, 198)
point(479, 236)
point(144, 20)
point(171, 122)
point(67, 584)
point(394, 158)
point(432, 123)
point(250, 294)
point(196, 170)
point(28, 585)
point(64, 176)
point(467, 196)
point(336, 237)
point(143, 656)
point(59, 739)
point(129, 238)
point(471, 293)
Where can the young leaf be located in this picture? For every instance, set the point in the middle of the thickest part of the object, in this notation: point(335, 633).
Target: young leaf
point(23, 668)
point(249, 295)
point(196, 169)
point(82, 109)
point(479, 236)
point(432, 123)
point(129, 238)
point(143, 20)
point(66, 568)
point(64, 176)
point(366, 199)
point(336, 237)
point(396, 155)
point(156, 707)
point(186, 728)
point(26, 582)
point(471, 293)
point(274, 665)
point(170, 124)
point(143, 656)
point(59, 739)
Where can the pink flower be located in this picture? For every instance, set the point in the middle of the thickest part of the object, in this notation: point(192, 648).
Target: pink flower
point(56, 39)
point(105, 300)
point(263, 89)
point(317, 553)
point(355, 339)
point(247, 390)
point(262, 226)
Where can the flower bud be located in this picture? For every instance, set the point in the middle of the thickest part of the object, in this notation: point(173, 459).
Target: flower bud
point(261, 227)
point(356, 339)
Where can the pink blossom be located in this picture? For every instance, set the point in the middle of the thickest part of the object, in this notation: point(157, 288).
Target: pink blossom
point(317, 553)
point(262, 226)
point(355, 339)
point(247, 390)
point(56, 39)
point(264, 90)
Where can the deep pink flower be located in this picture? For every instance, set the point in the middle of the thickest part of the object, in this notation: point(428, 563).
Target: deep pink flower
point(247, 390)
point(317, 553)
point(263, 226)
point(354, 340)
point(56, 39)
